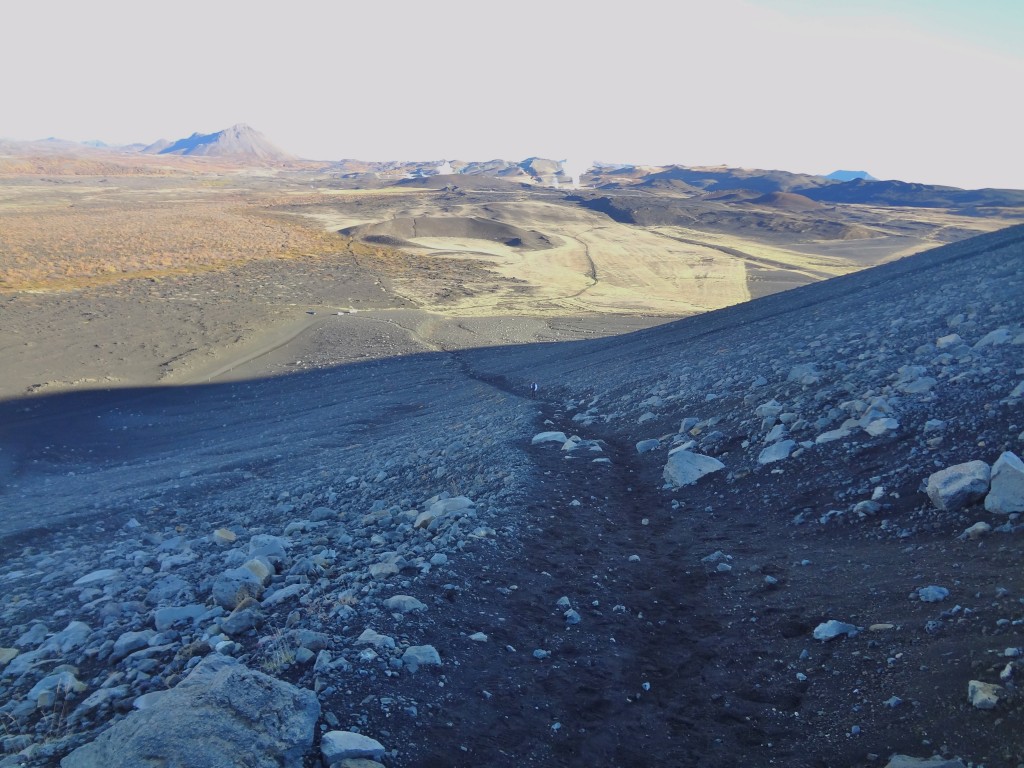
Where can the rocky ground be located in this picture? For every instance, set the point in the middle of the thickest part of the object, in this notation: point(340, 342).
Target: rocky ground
point(742, 548)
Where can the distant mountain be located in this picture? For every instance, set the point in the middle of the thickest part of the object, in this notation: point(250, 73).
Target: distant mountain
point(721, 178)
point(915, 195)
point(239, 142)
point(850, 176)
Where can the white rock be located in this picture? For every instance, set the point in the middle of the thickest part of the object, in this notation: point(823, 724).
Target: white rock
point(1007, 490)
point(548, 437)
point(417, 656)
point(776, 452)
point(768, 410)
point(976, 531)
point(374, 638)
point(686, 468)
point(647, 445)
point(404, 604)
point(805, 374)
point(945, 342)
point(832, 435)
point(832, 629)
point(881, 426)
point(959, 485)
point(932, 594)
point(336, 746)
point(994, 338)
point(983, 695)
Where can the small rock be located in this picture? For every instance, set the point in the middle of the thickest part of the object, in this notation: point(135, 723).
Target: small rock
point(932, 594)
point(417, 656)
point(776, 452)
point(223, 536)
point(404, 604)
point(976, 531)
point(336, 746)
point(832, 629)
point(983, 695)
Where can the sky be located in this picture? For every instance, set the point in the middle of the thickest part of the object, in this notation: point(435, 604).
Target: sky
point(918, 90)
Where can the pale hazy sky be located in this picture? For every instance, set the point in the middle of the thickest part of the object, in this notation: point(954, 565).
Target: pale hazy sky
point(920, 90)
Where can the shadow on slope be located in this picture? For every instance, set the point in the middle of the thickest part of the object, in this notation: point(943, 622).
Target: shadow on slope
point(98, 445)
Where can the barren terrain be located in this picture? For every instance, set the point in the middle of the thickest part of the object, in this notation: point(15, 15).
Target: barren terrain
point(136, 279)
point(335, 380)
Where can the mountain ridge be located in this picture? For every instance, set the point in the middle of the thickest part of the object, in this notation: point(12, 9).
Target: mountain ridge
point(238, 141)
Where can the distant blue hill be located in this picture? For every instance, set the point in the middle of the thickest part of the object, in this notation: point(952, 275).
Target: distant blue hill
point(850, 176)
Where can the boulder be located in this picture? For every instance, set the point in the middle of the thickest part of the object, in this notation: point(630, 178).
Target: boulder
point(236, 584)
point(417, 656)
point(983, 695)
point(957, 486)
point(686, 468)
point(221, 711)
point(337, 746)
point(1007, 485)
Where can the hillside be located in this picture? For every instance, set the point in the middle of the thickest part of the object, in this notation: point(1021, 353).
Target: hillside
point(414, 546)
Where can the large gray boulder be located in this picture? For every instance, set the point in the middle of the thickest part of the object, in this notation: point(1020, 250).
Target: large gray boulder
point(1007, 492)
point(219, 713)
point(686, 468)
point(959, 485)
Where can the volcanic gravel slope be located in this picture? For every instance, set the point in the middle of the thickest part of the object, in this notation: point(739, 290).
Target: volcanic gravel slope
point(403, 505)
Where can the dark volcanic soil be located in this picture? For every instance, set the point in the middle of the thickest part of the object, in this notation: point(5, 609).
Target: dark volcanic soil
point(675, 663)
point(678, 660)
